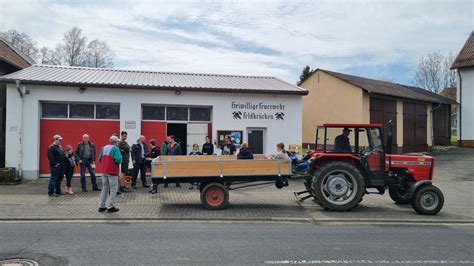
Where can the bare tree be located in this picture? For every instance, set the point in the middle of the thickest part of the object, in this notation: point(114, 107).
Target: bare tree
point(72, 51)
point(99, 54)
point(433, 72)
point(21, 41)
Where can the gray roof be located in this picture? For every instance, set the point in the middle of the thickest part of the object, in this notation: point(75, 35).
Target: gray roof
point(134, 79)
point(390, 88)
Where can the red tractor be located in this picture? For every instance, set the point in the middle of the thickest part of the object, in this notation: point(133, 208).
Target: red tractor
point(350, 161)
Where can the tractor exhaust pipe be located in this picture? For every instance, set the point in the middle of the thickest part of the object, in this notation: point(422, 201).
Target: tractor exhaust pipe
point(389, 137)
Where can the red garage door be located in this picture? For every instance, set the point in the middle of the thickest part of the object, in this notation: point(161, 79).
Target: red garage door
point(153, 130)
point(381, 112)
point(72, 131)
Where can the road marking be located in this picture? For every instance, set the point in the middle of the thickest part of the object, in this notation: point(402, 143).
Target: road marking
point(430, 262)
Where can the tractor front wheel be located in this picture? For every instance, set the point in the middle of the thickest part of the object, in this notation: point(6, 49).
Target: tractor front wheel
point(214, 196)
point(428, 200)
point(339, 186)
point(399, 195)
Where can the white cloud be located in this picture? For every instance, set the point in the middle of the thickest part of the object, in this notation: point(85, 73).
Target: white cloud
point(252, 37)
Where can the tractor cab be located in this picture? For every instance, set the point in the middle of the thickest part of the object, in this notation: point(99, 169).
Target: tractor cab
point(360, 142)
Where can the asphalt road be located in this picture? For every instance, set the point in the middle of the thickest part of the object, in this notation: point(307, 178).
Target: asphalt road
point(212, 243)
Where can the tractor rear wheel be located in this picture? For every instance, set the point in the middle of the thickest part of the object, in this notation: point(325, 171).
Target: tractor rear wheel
point(214, 196)
point(399, 195)
point(428, 200)
point(339, 186)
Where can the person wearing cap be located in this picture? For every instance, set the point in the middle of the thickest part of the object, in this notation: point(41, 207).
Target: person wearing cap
point(57, 164)
point(85, 156)
point(110, 159)
point(70, 165)
point(342, 142)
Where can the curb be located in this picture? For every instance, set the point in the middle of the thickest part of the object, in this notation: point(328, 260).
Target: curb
point(245, 220)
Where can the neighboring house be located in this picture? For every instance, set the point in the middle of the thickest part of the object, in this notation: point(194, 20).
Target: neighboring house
point(11, 60)
point(464, 64)
point(339, 98)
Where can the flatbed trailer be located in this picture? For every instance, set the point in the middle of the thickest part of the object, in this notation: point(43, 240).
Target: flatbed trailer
point(217, 174)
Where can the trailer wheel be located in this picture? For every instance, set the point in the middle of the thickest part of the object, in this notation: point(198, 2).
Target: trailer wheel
point(428, 200)
point(400, 196)
point(339, 186)
point(214, 196)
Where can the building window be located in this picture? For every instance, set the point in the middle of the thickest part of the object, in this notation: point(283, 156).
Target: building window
point(200, 114)
point(177, 113)
point(153, 113)
point(81, 111)
point(107, 111)
point(54, 110)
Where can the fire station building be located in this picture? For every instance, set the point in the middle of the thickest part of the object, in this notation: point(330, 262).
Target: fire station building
point(46, 100)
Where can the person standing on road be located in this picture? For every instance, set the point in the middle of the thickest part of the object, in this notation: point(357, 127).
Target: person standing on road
point(154, 153)
point(208, 147)
point(57, 164)
point(174, 148)
point(70, 165)
point(164, 146)
point(139, 153)
point(110, 159)
point(125, 152)
point(85, 155)
point(228, 148)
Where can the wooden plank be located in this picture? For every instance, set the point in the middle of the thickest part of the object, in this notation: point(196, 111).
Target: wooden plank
point(213, 168)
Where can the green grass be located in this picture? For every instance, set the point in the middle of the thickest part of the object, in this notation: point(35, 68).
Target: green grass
point(454, 139)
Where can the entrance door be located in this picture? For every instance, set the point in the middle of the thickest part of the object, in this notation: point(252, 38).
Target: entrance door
point(381, 112)
point(180, 133)
point(255, 140)
point(414, 127)
point(196, 135)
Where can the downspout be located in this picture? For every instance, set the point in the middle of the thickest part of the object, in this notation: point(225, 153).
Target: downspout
point(432, 126)
point(460, 109)
point(20, 154)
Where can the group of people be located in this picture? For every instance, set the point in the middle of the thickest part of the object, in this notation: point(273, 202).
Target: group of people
point(62, 162)
point(115, 159)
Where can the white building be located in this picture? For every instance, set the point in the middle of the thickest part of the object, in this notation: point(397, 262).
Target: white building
point(464, 63)
point(70, 101)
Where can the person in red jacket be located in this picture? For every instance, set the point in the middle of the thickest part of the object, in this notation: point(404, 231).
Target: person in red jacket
point(110, 159)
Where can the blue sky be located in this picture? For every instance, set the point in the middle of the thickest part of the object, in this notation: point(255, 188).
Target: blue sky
point(376, 39)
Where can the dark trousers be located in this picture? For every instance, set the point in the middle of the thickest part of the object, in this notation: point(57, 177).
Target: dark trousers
point(69, 174)
point(87, 164)
point(139, 167)
point(54, 184)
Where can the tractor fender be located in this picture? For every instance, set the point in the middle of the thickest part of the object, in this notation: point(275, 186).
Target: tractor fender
point(417, 185)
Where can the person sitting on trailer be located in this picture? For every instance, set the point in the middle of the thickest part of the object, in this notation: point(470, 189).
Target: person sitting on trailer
point(195, 150)
point(245, 153)
point(228, 148)
point(342, 142)
point(282, 154)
